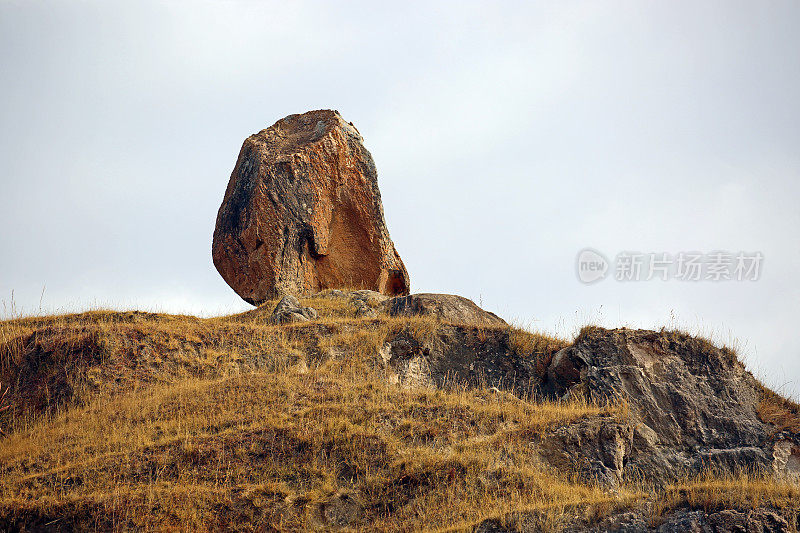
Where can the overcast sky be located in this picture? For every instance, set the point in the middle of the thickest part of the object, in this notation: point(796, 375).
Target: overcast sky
point(508, 137)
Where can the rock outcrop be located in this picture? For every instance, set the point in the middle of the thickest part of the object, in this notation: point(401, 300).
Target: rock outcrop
point(446, 307)
point(693, 406)
point(596, 448)
point(457, 355)
point(687, 520)
point(303, 213)
point(682, 520)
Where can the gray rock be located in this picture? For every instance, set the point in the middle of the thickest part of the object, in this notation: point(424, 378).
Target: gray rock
point(786, 456)
point(728, 521)
point(289, 310)
point(626, 522)
point(406, 365)
point(753, 521)
point(692, 405)
point(766, 521)
point(743, 458)
point(678, 521)
point(595, 447)
point(364, 302)
point(455, 355)
point(362, 310)
point(445, 307)
point(687, 520)
point(369, 297)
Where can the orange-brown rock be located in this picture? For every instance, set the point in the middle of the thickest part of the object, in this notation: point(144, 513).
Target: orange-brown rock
point(303, 213)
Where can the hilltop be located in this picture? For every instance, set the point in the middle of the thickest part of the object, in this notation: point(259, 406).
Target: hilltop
point(376, 416)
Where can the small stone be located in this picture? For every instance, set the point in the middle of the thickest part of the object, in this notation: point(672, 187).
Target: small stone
point(289, 310)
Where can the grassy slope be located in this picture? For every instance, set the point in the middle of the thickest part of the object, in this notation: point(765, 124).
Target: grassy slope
point(188, 424)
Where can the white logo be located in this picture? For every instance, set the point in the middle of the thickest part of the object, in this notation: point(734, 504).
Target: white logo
point(592, 266)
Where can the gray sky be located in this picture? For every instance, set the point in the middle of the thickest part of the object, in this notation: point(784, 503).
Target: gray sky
point(508, 136)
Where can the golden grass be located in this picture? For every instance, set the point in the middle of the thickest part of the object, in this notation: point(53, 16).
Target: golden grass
point(781, 412)
point(3, 405)
point(157, 420)
point(178, 423)
point(292, 440)
point(542, 347)
point(713, 491)
point(69, 358)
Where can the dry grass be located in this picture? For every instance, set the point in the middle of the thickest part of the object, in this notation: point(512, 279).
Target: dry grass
point(542, 347)
point(55, 361)
point(140, 421)
point(152, 422)
point(294, 442)
point(3, 405)
point(712, 492)
point(774, 409)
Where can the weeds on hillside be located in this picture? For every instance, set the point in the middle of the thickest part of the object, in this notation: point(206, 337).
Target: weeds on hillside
point(781, 412)
point(66, 359)
point(712, 491)
point(3, 404)
point(244, 423)
point(542, 347)
point(295, 448)
point(307, 431)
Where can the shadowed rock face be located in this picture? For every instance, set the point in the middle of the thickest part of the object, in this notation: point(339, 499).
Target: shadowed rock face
point(693, 406)
point(303, 213)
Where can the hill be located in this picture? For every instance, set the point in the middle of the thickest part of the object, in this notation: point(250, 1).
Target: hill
point(367, 419)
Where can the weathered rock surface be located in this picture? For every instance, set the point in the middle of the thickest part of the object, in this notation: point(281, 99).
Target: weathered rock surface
point(456, 355)
point(446, 307)
point(289, 309)
point(303, 213)
point(597, 448)
point(786, 456)
point(680, 520)
point(758, 520)
point(693, 405)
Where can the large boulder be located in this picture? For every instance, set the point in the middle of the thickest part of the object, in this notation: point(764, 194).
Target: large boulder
point(303, 213)
point(445, 307)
